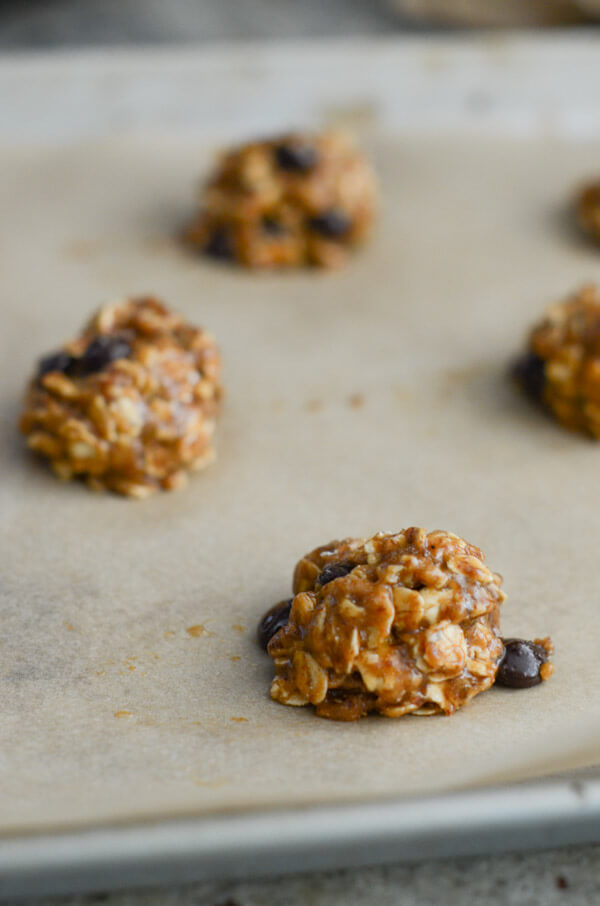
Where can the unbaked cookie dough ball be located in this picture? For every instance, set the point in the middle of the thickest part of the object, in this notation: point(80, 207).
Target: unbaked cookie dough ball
point(588, 210)
point(397, 623)
point(561, 367)
point(130, 404)
point(286, 202)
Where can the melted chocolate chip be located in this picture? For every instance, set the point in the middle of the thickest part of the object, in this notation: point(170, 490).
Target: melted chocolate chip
point(57, 361)
point(273, 621)
point(529, 374)
point(520, 664)
point(220, 245)
point(296, 158)
point(334, 571)
point(332, 224)
point(272, 226)
point(103, 350)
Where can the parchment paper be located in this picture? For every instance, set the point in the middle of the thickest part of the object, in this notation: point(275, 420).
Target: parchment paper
point(110, 708)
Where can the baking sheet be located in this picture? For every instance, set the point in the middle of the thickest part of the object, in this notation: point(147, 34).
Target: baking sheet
point(112, 708)
point(473, 242)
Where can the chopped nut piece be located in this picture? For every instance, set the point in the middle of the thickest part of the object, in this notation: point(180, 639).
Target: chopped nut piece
point(403, 623)
point(287, 202)
point(118, 406)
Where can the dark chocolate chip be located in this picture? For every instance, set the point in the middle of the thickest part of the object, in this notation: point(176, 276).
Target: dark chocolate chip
point(334, 571)
point(103, 350)
point(296, 158)
point(520, 664)
point(528, 372)
point(273, 621)
point(272, 226)
point(57, 361)
point(220, 245)
point(332, 224)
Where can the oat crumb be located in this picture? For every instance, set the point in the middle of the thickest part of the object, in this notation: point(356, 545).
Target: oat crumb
point(314, 405)
point(196, 631)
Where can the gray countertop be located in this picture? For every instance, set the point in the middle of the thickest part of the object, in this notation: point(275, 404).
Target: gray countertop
point(36, 24)
point(568, 876)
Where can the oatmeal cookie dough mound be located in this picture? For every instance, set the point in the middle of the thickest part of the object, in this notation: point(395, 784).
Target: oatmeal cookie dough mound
point(398, 623)
point(588, 210)
point(129, 405)
point(286, 202)
point(561, 368)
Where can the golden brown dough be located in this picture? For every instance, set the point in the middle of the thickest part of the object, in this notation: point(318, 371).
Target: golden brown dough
point(285, 202)
point(588, 210)
point(561, 367)
point(397, 623)
point(130, 404)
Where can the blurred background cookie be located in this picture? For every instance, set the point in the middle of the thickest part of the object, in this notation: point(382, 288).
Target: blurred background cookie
point(289, 201)
point(561, 367)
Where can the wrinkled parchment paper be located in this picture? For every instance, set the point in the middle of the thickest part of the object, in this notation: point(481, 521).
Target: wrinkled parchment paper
point(372, 398)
